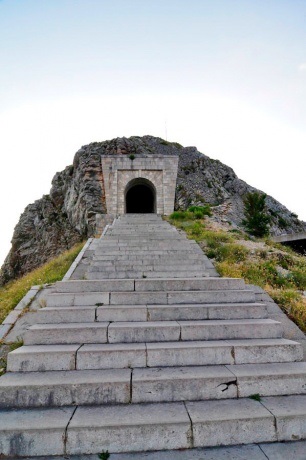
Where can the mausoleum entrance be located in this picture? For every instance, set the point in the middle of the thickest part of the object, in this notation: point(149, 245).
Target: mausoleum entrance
point(145, 184)
point(140, 196)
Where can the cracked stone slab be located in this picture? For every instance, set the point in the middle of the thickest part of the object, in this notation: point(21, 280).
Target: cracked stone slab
point(33, 432)
point(270, 379)
point(229, 422)
point(290, 414)
point(42, 358)
point(285, 450)
point(183, 384)
point(65, 388)
point(266, 351)
point(135, 427)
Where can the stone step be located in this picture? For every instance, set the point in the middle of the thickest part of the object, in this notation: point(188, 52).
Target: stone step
point(180, 312)
point(162, 266)
point(147, 274)
point(181, 297)
point(143, 385)
point(154, 426)
point(145, 253)
point(169, 297)
point(178, 284)
point(112, 313)
point(84, 286)
point(263, 451)
point(68, 333)
point(168, 331)
point(248, 351)
point(63, 388)
point(217, 382)
point(75, 299)
point(151, 331)
point(149, 257)
point(140, 248)
point(34, 432)
point(132, 355)
point(56, 315)
point(144, 237)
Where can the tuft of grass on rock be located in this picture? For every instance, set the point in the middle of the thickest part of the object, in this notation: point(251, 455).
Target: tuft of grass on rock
point(54, 270)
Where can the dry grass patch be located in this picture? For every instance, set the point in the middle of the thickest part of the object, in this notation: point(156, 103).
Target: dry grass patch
point(54, 270)
point(276, 268)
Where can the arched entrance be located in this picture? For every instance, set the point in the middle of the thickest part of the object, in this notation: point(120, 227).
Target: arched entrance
point(140, 196)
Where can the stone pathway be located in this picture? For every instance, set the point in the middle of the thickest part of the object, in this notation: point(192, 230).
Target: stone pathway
point(152, 351)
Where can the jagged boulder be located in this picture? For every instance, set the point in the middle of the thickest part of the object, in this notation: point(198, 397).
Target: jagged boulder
point(68, 214)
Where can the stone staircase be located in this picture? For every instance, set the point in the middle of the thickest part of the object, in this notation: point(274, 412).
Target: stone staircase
point(152, 351)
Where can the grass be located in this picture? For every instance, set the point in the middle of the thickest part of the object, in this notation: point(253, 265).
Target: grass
point(255, 397)
point(3, 359)
point(277, 269)
point(104, 455)
point(54, 270)
point(194, 212)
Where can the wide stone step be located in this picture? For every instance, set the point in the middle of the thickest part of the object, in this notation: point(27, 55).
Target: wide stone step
point(168, 331)
point(132, 355)
point(180, 312)
point(163, 267)
point(64, 388)
point(107, 251)
point(149, 297)
point(69, 333)
point(149, 258)
point(121, 386)
point(151, 331)
point(145, 427)
point(180, 284)
point(217, 382)
point(147, 248)
point(112, 313)
point(56, 315)
point(181, 297)
point(147, 274)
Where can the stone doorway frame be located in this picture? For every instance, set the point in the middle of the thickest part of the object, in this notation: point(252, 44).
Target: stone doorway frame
point(140, 181)
point(120, 170)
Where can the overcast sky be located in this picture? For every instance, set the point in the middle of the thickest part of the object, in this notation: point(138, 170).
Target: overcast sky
point(228, 76)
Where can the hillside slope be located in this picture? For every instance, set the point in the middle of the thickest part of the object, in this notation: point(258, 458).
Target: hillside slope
point(68, 214)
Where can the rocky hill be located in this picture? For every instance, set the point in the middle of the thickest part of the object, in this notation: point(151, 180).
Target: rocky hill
point(68, 214)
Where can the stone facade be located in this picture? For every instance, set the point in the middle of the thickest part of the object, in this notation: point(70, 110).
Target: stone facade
point(119, 172)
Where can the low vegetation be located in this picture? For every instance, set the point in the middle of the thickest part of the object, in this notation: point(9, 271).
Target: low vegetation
point(54, 270)
point(277, 269)
point(192, 213)
point(256, 219)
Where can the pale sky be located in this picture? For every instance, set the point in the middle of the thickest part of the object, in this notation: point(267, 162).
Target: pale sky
point(228, 76)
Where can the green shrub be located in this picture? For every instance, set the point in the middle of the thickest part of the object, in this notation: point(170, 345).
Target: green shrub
point(231, 252)
point(198, 215)
point(256, 219)
point(204, 210)
point(180, 215)
point(196, 229)
point(299, 278)
point(214, 239)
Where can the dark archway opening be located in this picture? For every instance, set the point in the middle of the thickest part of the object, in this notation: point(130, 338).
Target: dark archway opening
point(140, 198)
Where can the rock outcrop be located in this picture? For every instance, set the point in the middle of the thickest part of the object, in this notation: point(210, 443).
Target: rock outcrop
point(68, 214)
